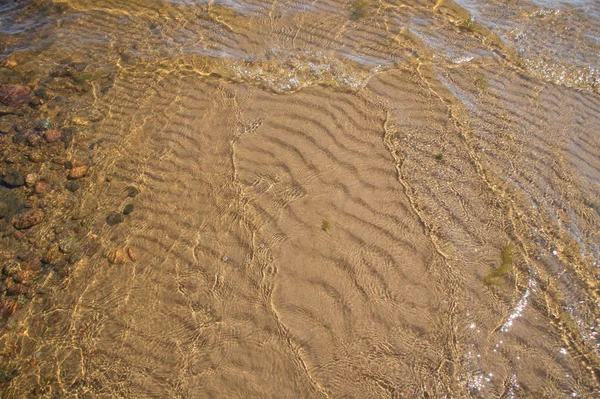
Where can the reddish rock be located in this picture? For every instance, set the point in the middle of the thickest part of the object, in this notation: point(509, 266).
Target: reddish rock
point(28, 219)
point(14, 95)
point(33, 139)
point(131, 254)
point(18, 235)
point(52, 135)
point(78, 171)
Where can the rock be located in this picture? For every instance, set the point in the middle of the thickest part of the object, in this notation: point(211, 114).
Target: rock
point(67, 245)
point(35, 156)
point(13, 288)
point(28, 219)
point(44, 124)
point(13, 179)
point(33, 139)
point(68, 134)
point(33, 265)
point(72, 185)
point(52, 135)
point(114, 218)
point(131, 254)
point(8, 307)
point(128, 209)
point(41, 187)
point(132, 191)
point(78, 171)
point(6, 229)
point(52, 256)
point(41, 93)
point(36, 102)
point(31, 179)
point(117, 257)
point(14, 95)
point(23, 277)
point(20, 138)
point(10, 269)
point(4, 209)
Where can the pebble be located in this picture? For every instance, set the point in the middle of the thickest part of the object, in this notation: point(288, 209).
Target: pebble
point(131, 254)
point(77, 172)
point(52, 256)
point(41, 187)
point(118, 257)
point(132, 191)
point(28, 219)
point(33, 139)
point(35, 157)
point(72, 185)
point(67, 245)
point(128, 209)
point(6, 229)
point(32, 264)
point(31, 179)
point(14, 95)
point(114, 218)
point(44, 124)
point(13, 179)
point(52, 135)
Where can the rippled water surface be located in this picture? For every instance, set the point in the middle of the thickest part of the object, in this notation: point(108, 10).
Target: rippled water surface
point(344, 199)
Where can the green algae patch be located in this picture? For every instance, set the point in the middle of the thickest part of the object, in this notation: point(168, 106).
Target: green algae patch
point(360, 10)
point(494, 276)
point(325, 225)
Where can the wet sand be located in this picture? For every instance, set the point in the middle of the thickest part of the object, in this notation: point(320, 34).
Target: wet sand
point(330, 199)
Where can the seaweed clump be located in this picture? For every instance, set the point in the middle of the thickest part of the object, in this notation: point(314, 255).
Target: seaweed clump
point(494, 276)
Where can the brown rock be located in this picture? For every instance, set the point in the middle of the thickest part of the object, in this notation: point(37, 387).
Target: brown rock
point(41, 187)
point(52, 135)
point(35, 157)
point(28, 219)
point(18, 235)
point(33, 139)
point(118, 257)
point(78, 171)
point(23, 277)
point(13, 288)
point(31, 179)
point(14, 95)
point(33, 265)
point(52, 256)
point(8, 308)
point(131, 254)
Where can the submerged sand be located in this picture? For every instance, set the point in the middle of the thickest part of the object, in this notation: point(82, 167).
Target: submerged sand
point(364, 199)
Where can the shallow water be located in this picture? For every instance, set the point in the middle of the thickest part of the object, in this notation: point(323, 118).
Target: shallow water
point(326, 191)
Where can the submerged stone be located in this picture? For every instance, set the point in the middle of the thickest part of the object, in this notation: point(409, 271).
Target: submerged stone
point(13, 179)
point(114, 219)
point(14, 95)
point(28, 219)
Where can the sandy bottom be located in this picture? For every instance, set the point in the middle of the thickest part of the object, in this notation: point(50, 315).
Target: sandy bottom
point(403, 223)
